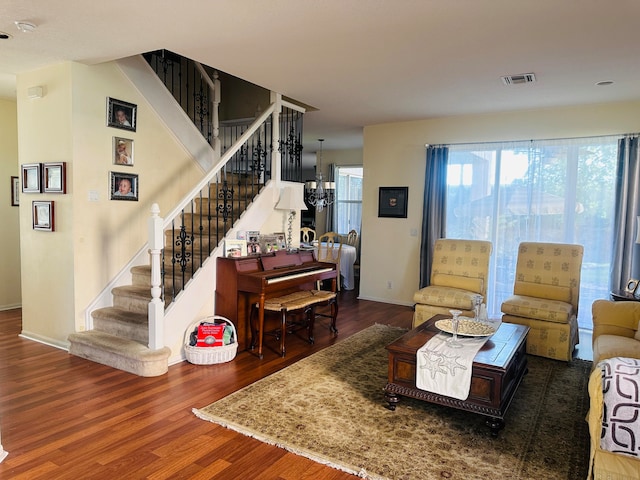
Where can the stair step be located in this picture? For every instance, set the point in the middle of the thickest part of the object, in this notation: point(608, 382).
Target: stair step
point(134, 298)
point(122, 323)
point(141, 277)
point(120, 353)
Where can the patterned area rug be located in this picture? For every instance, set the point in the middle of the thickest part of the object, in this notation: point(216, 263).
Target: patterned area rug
point(330, 407)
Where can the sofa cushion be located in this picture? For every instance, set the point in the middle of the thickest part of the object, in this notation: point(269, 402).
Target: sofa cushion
point(445, 297)
point(541, 290)
point(458, 281)
point(538, 308)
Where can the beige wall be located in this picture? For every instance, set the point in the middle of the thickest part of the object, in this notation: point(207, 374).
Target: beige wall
point(394, 155)
point(95, 236)
point(9, 216)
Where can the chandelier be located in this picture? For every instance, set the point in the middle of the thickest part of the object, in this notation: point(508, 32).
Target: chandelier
point(320, 194)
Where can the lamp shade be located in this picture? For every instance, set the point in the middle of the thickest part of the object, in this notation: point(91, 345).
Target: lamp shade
point(290, 200)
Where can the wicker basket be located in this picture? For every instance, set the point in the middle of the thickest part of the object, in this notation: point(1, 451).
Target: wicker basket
point(210, 355)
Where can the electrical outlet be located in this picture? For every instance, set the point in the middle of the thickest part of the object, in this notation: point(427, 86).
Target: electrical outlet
point(389, 284)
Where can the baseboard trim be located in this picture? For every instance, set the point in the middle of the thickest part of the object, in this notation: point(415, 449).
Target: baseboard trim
point(45, 340)
point(385, 300)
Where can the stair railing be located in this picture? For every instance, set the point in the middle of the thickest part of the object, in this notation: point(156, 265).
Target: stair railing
point(199, 223)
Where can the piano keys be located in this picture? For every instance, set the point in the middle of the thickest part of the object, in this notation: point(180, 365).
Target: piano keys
point(243, 281)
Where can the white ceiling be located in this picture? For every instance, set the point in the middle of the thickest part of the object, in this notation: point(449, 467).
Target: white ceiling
point(359, 62)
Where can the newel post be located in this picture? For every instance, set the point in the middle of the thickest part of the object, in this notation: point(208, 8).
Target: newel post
point(156, 307)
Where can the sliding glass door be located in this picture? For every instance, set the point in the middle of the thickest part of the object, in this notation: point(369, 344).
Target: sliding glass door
point(549, 191)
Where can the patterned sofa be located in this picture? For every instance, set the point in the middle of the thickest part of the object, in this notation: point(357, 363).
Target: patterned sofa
point(545, 297)
point(615, 337)
point(458, 273)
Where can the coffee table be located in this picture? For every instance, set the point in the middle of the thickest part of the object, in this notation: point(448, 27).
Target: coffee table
point(497, 370)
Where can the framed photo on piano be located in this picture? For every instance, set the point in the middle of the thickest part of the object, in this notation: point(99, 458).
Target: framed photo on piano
point(235, 248)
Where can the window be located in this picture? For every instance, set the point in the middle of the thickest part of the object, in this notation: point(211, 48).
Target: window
point(549, 191)
point(348, 206)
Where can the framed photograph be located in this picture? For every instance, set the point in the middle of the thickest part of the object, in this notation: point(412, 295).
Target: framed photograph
point(54, 177)
point(15, 191)
point(121, 114)
point(124, 186)
point(392, 202)
point(632, 286)
point(269, 243)
point(281, 240)
point(43, 216)
point(31, 176)
point(235, 248)
point(122, 151)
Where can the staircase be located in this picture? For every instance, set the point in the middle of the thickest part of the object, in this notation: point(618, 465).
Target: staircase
point(120, 336)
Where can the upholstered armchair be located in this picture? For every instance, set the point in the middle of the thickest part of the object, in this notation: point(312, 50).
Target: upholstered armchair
point(616, 329)
point(545, 297)
point(459, 272)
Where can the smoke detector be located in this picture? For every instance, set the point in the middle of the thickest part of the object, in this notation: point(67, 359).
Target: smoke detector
point(25, 27)
point(519, 79)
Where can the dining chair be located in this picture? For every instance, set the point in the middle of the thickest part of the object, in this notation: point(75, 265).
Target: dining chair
point(330, 250)
point(307, 235)
point(352, 239)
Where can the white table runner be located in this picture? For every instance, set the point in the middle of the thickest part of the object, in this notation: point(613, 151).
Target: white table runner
point(444, 370)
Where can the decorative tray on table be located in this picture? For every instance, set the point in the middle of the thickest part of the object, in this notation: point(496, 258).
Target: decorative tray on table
point(467, 327)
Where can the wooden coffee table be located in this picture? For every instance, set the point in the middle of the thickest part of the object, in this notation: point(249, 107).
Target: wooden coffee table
point(497, 371)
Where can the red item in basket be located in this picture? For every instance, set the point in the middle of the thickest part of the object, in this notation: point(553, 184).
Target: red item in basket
point(209, 335)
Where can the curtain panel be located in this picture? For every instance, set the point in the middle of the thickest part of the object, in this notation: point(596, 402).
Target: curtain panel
point(434, 207)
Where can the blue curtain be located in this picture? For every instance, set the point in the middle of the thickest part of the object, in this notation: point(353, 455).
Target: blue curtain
point(625, 262)
point(434, 207)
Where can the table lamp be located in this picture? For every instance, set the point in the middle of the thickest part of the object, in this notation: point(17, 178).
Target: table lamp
point(291, 202)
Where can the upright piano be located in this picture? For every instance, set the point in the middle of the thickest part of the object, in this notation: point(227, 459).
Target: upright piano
point(243, 281)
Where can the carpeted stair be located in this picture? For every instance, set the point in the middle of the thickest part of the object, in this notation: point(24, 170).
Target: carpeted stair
point(120, 333)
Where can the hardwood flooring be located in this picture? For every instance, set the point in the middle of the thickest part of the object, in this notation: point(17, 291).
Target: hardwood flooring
point(63, 417)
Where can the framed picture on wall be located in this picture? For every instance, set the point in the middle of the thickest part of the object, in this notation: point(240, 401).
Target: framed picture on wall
point(124, 186)
point(54, 177)
point(122, 151)
point(121, 114)
point(31, 173)
point(42, 216)
point(15, 191)
point(392, 202)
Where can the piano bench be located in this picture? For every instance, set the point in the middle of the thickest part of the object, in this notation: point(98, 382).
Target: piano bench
point(302, 303)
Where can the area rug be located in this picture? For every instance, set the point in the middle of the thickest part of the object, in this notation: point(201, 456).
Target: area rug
point(330, 407)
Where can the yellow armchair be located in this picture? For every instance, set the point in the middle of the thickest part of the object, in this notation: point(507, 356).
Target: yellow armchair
point(615, 329)
point(545, 297)
point(458, 273)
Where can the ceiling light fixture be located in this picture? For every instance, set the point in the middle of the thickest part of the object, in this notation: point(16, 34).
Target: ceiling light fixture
point(25, 27)
point(320, 194)
point(604, 83)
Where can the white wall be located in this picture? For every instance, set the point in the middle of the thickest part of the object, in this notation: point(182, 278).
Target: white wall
point(394, 155)
point(10, 296)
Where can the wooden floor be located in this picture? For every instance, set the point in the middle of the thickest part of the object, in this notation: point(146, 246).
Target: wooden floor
point(63, 417)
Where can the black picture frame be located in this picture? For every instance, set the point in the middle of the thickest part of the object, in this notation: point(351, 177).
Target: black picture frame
point(392, 202)
point(121, 114)
point(116, 194)
point(15, 191)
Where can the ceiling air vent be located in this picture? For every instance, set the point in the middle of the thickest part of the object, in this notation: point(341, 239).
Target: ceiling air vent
point(518, 79)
